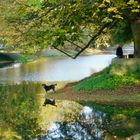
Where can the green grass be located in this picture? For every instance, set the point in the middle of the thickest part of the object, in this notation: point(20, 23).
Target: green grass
point(19, 109)
point(137, 71)
point(123, 121)
point(106, 81)
point(114, 110)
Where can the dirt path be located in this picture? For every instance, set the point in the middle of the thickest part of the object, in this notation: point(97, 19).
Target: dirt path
point(129, 96)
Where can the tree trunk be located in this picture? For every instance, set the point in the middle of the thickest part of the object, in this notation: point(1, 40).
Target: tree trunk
point(135, 26)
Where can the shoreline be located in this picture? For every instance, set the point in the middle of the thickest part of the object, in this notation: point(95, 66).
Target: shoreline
point(125, 95)
point(112, 99)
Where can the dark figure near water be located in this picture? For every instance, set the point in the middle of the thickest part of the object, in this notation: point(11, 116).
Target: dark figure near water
point(49, 87)
point(119, 52)
point(48, 101)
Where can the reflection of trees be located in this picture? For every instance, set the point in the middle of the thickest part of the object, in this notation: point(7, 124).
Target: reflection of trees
point(95, 125)
point(122, 125)
point(5, 64)
point(87, 126)
point(19, 111)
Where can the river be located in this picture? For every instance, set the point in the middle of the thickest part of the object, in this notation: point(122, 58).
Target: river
point(54, 69)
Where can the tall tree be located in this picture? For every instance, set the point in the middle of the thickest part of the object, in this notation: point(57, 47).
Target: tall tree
point(39, 23)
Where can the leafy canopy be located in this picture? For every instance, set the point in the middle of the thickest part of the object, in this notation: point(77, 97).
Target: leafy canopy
point(31, 25)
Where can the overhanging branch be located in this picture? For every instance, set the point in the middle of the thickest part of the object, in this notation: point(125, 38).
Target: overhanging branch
point(92, 39)
point(111, 24)
point(63, 52)
point(74, 43)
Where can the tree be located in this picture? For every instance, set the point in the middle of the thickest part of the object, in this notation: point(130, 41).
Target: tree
point(128, 11)
point(57, 23)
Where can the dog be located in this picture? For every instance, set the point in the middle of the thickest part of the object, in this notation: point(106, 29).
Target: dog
point(48, 101)
point(49, 87)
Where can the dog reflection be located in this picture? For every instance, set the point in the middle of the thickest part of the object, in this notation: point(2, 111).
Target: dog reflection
point(48, 101)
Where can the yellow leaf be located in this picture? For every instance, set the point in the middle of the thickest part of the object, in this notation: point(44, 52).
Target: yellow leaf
point(107, 1)
point(112, 9)
point(118, 16)
point(135, 10)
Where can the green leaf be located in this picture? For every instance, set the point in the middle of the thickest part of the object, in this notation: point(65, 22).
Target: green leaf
point(131, 2)
point(36, 3)
point(118, 16)
point(102, 5)
point(52, 1)
point(112, 9)
point(135, 10)
point(107, 1)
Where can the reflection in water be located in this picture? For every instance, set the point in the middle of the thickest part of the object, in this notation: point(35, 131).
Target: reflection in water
point(19, 111)
point(24, 116)
point(9, 64)
point(56, 69)
point(89, 125)
point(95, 124)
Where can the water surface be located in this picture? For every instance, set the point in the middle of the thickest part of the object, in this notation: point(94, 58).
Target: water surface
point(96, 124)
point(55, 69)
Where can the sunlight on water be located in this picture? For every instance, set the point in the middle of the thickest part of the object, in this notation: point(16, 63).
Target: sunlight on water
point(55, 69)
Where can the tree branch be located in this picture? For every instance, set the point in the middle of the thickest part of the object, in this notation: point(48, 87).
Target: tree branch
point(92, 39)
point(63, 52)
point(74, 43)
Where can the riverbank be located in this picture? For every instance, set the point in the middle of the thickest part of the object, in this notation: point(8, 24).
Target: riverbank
point(128, 96)
point(9, 57)
point(106, 87)
point(51, 52)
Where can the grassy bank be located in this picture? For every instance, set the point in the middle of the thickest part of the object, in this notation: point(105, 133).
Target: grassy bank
point(107, 81)
point(106, 88)
point(104, 82)
point(118, 95)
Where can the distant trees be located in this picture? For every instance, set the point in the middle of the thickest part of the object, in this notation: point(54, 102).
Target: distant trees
point(32, 25)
